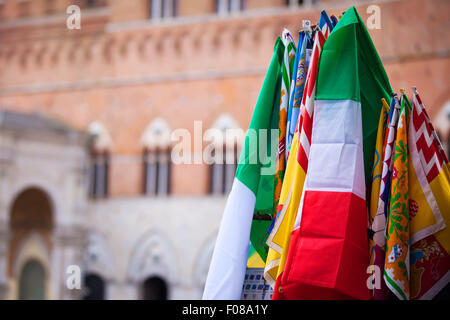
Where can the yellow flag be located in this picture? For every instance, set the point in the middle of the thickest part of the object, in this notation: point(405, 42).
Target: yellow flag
point(280, 235)
point(429, 206)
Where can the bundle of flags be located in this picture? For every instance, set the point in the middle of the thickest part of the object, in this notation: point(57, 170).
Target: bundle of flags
point(349, 184)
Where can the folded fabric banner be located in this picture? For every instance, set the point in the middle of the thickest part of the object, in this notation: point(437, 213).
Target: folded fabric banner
point(279, 238)
point(302, 71)
point(376, 252)
point(292, 118)
point(289, 57)
point(328, 255)
point(288, 64)
point(227, 269)
point(325, 24)
point(396, 265)
point(429, 206)
point(379, 221)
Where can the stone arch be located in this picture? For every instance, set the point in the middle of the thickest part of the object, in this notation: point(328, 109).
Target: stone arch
point(153, 256)
point(43, 184)
point(32, 248)
point(98, 258)
point(28, 200)
point(157, 134)
point(31, 221)
point(222, 124)
point(101, 138)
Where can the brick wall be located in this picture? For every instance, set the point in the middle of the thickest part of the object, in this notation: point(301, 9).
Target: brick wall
point(125, 75)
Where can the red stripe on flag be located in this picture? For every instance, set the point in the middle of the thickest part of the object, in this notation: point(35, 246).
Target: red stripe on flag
point(328, 255)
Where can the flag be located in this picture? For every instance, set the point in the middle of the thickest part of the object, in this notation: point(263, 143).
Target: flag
point(279, 238)
point(328, 256)
point(325, 24)
point(429, 206)
point(302, 70)
point(287, 68)
point(379, 221)
point(334, 20)
point(375, 251)
point(250, 192)
point(396, 265)
point(292, 118)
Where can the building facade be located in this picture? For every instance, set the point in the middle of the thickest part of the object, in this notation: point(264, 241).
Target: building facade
point(88, 117)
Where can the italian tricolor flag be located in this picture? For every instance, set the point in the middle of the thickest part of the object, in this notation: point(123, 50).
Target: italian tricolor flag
point(252, 191)
point(328, 253)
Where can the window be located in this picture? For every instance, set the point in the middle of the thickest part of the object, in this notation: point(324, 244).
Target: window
point(94, 287)
point(100, 159)
point(90, 4)
point(32, 281)
point(160, 9)
point(222, 171)
point(298, 3)
point(157, 164)
point(157, 172)
point(227, 6)
point(98, 181)
point(226, 139)
point(154, 288)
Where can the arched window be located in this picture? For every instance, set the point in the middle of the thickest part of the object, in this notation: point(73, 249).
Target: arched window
point(160, 9)
point(222, 172)
point(294, 3)
point(94, 287)
point(156, 159)
point(154, 288)
point(32, 281)
point(157, 172)
point(100, 159)
point(226, 138)
point(226, 6)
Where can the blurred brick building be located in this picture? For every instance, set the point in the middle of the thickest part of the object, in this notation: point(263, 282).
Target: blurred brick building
point(86, 115)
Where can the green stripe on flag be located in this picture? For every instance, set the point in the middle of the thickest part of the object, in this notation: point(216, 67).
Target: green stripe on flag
point(247, 172)
point(265, 116)
point(350, 69)
point(394, 285)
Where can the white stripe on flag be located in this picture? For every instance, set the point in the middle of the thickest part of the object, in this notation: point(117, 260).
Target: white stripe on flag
point(227, 269)
point(337, 147)
point(336, 159)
